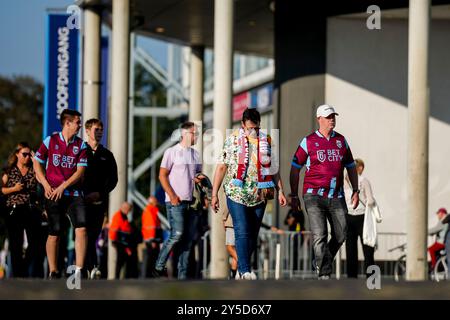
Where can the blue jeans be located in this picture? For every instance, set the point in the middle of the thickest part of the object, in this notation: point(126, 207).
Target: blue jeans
point(246, 223)
point(183, 223)
point(319, 210)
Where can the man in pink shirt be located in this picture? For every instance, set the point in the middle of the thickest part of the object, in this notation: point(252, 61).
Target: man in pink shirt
point(325, 153)
point(179, 166)
point(64, 156)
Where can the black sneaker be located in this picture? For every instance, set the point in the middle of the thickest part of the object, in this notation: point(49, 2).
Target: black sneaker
point(84, 273)
point(159, 273)
point(54, 275)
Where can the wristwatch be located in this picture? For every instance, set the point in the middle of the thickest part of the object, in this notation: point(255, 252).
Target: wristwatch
point(357, 191)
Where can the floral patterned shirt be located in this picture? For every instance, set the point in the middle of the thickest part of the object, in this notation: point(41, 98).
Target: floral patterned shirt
point(248, 194)
point(29, 187)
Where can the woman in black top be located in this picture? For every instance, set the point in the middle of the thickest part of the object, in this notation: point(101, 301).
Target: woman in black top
point(19, 186)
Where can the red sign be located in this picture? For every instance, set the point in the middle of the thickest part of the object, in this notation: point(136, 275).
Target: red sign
point(240, 103)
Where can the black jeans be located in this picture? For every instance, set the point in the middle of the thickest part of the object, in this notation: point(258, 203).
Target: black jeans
point(95, 215)
point(354, 231)
point(319, 210)
point(149, 260)
point(24, 218)
point(127, 260)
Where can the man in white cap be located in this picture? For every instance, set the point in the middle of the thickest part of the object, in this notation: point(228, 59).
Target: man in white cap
point(325, 153)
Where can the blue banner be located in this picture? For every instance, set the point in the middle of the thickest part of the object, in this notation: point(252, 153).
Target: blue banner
point(261, 97)
point(61, 71)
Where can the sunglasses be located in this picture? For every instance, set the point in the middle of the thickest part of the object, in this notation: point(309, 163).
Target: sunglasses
point(26, 154)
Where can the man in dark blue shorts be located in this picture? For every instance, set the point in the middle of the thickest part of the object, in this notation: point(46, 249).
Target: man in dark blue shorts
point(64, 155)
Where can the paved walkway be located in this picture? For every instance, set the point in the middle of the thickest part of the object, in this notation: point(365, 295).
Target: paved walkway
point(222, 289)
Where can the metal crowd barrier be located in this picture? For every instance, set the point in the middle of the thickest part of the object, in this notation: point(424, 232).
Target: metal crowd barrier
point(206, 258)
point(284, 256)
point(289, 255)
point(278, 256)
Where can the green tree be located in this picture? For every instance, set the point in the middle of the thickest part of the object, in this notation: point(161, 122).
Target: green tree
point(21, 109)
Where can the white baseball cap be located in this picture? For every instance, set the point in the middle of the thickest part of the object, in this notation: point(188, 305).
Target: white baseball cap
point(325, 110)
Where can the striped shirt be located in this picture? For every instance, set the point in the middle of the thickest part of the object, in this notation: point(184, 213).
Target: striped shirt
point(325, 160)
point(62, 160)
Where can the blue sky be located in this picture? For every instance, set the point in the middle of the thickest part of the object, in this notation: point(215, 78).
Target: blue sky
point(22, 35)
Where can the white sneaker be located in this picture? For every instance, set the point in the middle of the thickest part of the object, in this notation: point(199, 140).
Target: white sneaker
point(77, 273)
point(245, 276)
point(95, 274)
point(248, 276)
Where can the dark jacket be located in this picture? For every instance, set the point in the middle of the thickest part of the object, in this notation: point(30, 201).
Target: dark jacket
point(101, 172)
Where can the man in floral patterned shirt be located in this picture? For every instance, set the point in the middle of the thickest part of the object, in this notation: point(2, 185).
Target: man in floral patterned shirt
point(244, 168)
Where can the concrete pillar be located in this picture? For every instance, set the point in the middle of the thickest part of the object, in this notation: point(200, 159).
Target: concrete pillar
point(130, 179)
point(119, 110)
point(223, 77)
point(170, 72)
point(196, 90)
point(300, 67)
point(91, 63)
point(418, 117)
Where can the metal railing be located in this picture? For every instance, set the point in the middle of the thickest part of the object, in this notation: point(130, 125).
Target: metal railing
point(284, 256)
point(277, 256)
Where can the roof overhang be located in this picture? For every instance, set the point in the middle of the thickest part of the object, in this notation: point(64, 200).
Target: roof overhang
point(191, 22)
